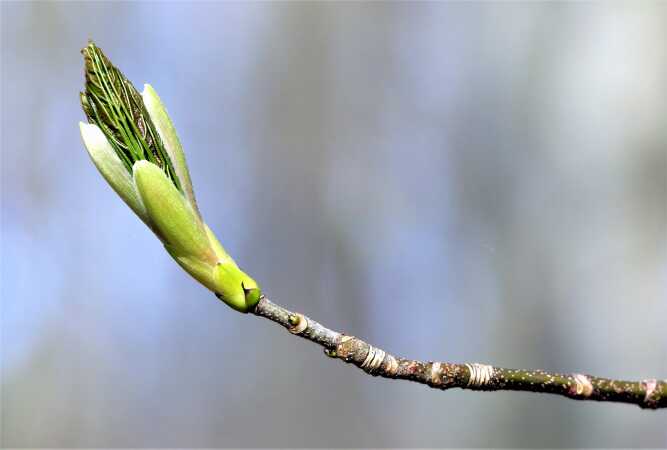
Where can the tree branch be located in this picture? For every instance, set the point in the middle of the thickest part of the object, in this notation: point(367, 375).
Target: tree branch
point(651, 394)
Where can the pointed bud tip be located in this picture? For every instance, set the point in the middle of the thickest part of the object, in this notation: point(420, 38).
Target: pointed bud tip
point(148, 89)
point(142, 164)
point(92, 136)
point(142, 170)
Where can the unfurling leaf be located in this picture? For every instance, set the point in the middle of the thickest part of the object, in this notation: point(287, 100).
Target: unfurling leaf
point(133, 143)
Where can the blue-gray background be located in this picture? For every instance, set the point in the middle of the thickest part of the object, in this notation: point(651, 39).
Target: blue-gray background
point(456, 181)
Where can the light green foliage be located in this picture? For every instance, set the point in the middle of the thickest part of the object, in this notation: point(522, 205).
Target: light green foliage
point(134, 145)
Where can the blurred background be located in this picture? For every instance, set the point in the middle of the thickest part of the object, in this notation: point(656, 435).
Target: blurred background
point(469, 182)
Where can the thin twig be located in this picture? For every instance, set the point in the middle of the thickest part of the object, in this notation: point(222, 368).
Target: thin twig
point(651, 394)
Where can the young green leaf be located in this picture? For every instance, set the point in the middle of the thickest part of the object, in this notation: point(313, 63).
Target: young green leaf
point(111, 102)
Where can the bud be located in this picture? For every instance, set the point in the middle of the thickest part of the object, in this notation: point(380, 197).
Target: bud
point(134, 145)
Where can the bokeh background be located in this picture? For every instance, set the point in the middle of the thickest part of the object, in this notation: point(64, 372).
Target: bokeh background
point(457, 181)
